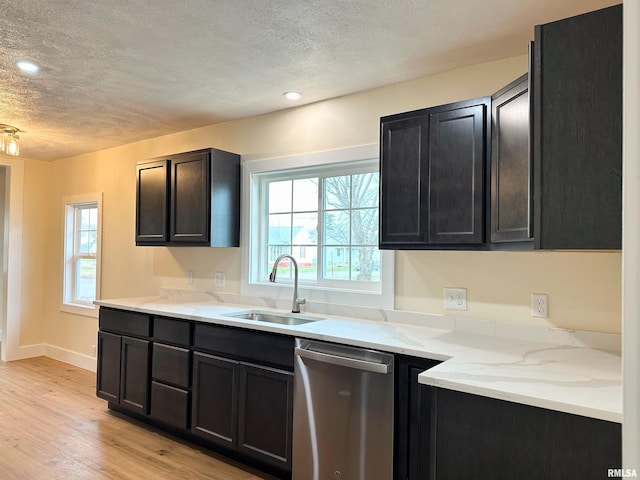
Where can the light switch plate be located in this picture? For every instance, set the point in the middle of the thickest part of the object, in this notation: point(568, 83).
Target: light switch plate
point(455, 298)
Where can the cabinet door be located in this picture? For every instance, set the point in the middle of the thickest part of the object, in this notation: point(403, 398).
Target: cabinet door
point(190, 198)
point(578, 132)
point(479, 437)
point(134, 375)
point(403, 182)
point(214, 413)
point(266, 414)
point(456, 175)
point(413, 417)
point(152, 197)
point(108, 375)
point(510, 164)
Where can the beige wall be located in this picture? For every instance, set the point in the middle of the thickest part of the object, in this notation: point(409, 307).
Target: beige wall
point(583, 288)
point(35, 222)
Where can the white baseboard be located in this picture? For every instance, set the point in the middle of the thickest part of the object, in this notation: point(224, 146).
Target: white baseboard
point(67, 356)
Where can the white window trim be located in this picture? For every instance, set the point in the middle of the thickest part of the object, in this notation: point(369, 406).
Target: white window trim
point(383, 299)
point(65, 305)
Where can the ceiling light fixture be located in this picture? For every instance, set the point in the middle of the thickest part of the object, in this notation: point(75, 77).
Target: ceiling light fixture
point(9, 140)
point(291, 95)
point(27, 66)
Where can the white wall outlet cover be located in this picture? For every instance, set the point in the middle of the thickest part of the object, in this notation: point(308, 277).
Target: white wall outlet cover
point(455, 298)
point(539, 305)
point(219, 279)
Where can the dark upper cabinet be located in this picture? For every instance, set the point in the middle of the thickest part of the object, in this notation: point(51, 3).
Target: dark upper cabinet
point(577, 142)
point(189, 199)
point(403, 173)
point(511, 166)
point(151, 202)
point(433, 170)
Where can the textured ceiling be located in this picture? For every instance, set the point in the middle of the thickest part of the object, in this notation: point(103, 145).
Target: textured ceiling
point(118, 71)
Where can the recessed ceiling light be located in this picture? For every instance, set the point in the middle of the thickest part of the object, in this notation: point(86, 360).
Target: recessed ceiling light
point(27, 67)
point(292, 95)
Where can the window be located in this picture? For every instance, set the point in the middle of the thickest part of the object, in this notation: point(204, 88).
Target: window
point(323, 210)
point(81, 285)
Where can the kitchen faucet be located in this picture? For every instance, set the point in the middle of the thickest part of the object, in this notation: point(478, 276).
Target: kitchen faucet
point(295, 306)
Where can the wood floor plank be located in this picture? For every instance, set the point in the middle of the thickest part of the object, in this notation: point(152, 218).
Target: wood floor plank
point(53, 427)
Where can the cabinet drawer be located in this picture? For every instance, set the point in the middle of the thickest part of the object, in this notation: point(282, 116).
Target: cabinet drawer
point(263, 348)
point(129, 323)
point(172, 331)
point(170, 405)
point(170, 364)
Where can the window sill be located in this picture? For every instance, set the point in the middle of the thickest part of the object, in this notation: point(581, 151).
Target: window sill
point(85, 310)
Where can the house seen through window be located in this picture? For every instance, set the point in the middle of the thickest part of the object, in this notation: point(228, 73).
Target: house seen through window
point(328, 222)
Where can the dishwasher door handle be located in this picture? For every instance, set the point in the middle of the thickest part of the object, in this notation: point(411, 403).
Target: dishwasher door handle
point(343, 361)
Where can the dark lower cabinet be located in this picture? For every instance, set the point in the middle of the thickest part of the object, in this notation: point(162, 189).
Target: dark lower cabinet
point(478, 438)
point(244, 407)
point(413, 419)
point(170, 374)
point(214, 415)
point(134, 375)
point(266, 414)
point(170, 405)
point(122, 377)
point(108, 374)
point(222, 387)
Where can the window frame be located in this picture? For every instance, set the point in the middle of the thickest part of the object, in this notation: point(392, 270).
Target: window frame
point(382, 298)
point(68, 302)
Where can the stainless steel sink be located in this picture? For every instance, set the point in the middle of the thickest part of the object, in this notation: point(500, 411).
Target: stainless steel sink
point(270, 317)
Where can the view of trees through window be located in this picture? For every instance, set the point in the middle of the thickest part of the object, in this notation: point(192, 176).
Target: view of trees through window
point(328, 223)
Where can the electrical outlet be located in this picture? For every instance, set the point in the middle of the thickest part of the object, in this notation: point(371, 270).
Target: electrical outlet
point(455, 298)
point(189, 277)
point(218, 279)
point(539, 305)
point(93, 351)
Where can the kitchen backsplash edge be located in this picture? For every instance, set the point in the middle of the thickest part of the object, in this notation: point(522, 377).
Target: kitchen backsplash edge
point(580, 338)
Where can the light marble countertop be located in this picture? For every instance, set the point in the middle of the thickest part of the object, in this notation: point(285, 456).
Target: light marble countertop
point(570, 378)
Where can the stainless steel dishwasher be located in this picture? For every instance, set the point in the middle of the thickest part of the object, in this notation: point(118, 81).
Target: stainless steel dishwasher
point(342, 413)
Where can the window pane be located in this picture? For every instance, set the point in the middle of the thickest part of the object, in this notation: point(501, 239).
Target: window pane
point(336, 227)
point(365, 190)
point(84, 242)
point(280, 196)
point(337, 192)
point(364, 227)
point(85, 285)
point(305, 228)
point(336, 261)
point(279, 229)
point(365, 266)
point(93, 218)
point(305, 195)
point(307, 258)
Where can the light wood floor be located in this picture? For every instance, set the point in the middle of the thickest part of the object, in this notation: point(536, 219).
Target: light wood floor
point(53, 427)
